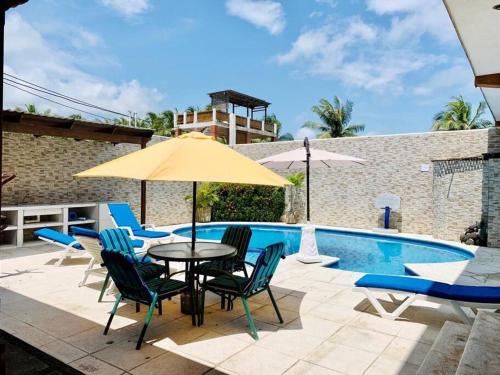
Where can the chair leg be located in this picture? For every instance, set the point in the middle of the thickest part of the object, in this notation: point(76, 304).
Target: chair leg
point(104, 286)
point(137, 307)
point(251, 323)
point(63, 256)
point(274, 304)
point(222, 302)
point(160, 309)
point(87, 272)
point(113, 312)
point(146, 322)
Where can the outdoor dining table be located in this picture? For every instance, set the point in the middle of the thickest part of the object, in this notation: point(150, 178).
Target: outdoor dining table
point(182, 252)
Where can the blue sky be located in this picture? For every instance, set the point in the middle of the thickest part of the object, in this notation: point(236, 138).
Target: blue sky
point(398, 61)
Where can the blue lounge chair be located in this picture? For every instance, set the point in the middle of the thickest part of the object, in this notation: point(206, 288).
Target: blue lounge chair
point(458, 296)
point(68, 243)
point(123, 217)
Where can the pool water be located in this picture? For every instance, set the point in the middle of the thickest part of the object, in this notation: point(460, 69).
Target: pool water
point(360, 252)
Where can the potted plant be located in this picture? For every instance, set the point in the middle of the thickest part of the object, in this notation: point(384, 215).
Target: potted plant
point(292, 212)
point(206, 197)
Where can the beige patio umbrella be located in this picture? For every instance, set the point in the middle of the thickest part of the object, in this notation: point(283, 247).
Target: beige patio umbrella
point(191, 157)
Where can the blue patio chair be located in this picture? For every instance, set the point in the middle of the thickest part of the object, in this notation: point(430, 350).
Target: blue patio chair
point(234, 286)
point(132, 286)
point(118, 241)
point(123, 217)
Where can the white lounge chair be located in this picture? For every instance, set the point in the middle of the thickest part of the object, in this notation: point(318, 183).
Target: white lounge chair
point(68, 243)
point(414, 288)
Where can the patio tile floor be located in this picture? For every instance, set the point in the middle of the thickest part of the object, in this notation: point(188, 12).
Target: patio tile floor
point(328, 328)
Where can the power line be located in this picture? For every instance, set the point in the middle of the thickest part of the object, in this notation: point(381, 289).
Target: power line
point(45, 90)
point(55, 102)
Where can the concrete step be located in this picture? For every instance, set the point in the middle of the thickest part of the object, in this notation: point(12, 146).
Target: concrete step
point(482, 351)
point(444, 355)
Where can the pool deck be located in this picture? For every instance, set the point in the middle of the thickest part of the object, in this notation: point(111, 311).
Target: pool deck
point(328, 328)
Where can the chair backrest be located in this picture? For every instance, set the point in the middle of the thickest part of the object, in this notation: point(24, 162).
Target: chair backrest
point(265, 266)
point(125, 276)
point(238, 236)
point(92, 246)
point(123, 216)
point(118, 241)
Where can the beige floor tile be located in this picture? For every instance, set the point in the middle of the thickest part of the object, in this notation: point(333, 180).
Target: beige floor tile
point(306, 368)
point(407, 350)
point(378, 324)
point(419, 332)
point(313, 326)
point(294, 303)
point(173, 334)
point(256, 360)
point(93, 339)
point(370, 341)
point(212, 348)
point(334, 313)
point(64, 325)
point(239, 329)
point(267, 314)
point(289, 343)
point(388, 366)
point(25, 332)
point(171, 364)
point(93, 366)
point(125, 356)
point(64, 352)
point(342, 358)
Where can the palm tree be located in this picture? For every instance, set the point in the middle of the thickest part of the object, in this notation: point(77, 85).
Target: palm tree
point(192, 109)
point(335, 119)
point(162, 123)
point(272, 119)
point(76, 116)
point(458, 116)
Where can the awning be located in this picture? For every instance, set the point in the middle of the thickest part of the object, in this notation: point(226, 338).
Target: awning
point(478, 26)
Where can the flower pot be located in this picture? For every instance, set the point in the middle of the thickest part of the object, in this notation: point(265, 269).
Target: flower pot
point(203, 214)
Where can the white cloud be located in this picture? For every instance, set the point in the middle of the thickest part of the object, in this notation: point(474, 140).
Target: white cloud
point(82, 38)
point(128, 8)
point(301, 133)
point(458, 77)
point(58, 70)
point(374, 57)
point(267, 14)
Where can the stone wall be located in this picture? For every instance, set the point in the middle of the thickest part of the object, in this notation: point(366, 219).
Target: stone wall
point(432, 203)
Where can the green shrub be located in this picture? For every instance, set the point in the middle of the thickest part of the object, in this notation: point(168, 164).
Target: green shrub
point(249, 203)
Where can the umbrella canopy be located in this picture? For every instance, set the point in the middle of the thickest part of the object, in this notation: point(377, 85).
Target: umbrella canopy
point(298, 158)
point(308, 157)
point(191, 157)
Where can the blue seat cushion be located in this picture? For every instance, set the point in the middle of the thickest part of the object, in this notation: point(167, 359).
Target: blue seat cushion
point(124, 216)
point(465, 293)
point(150, 233)
point(80, 231)
point(138, 243)
point(56, 236)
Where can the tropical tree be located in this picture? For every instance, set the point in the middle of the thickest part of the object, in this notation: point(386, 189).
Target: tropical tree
point(271, 119)
point(458, 115)
point(76, 116)
point(335, 119)
point(192, 109)
point(162, 123)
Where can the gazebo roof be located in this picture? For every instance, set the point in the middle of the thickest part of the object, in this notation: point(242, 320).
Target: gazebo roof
point(238, 98)
point(41, 125)
point(476, 23)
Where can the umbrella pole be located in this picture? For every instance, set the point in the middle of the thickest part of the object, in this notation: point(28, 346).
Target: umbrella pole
point(193, 223)
point(308, 157)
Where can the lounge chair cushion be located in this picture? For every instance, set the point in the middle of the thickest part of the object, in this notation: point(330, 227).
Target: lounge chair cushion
point(225, 282)
point(80, 231)
point(465, 293)
point(123, 215)
point(150, 233)
point(56, 236)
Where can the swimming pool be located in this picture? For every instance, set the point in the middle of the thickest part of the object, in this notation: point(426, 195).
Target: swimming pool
point(357, 251)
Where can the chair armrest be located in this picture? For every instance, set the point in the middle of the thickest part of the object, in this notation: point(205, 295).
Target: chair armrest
point(248, 263)
point(148, 226)
point(175, 273)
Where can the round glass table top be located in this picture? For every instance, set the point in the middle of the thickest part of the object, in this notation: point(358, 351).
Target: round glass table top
point(181, 251)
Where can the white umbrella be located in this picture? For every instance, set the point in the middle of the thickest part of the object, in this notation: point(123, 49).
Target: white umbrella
point(309, 157)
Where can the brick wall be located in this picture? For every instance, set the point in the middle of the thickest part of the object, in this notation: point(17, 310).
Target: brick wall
point(432, 202)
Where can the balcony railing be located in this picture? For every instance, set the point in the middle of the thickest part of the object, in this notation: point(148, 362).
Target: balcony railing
point(215, 116)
